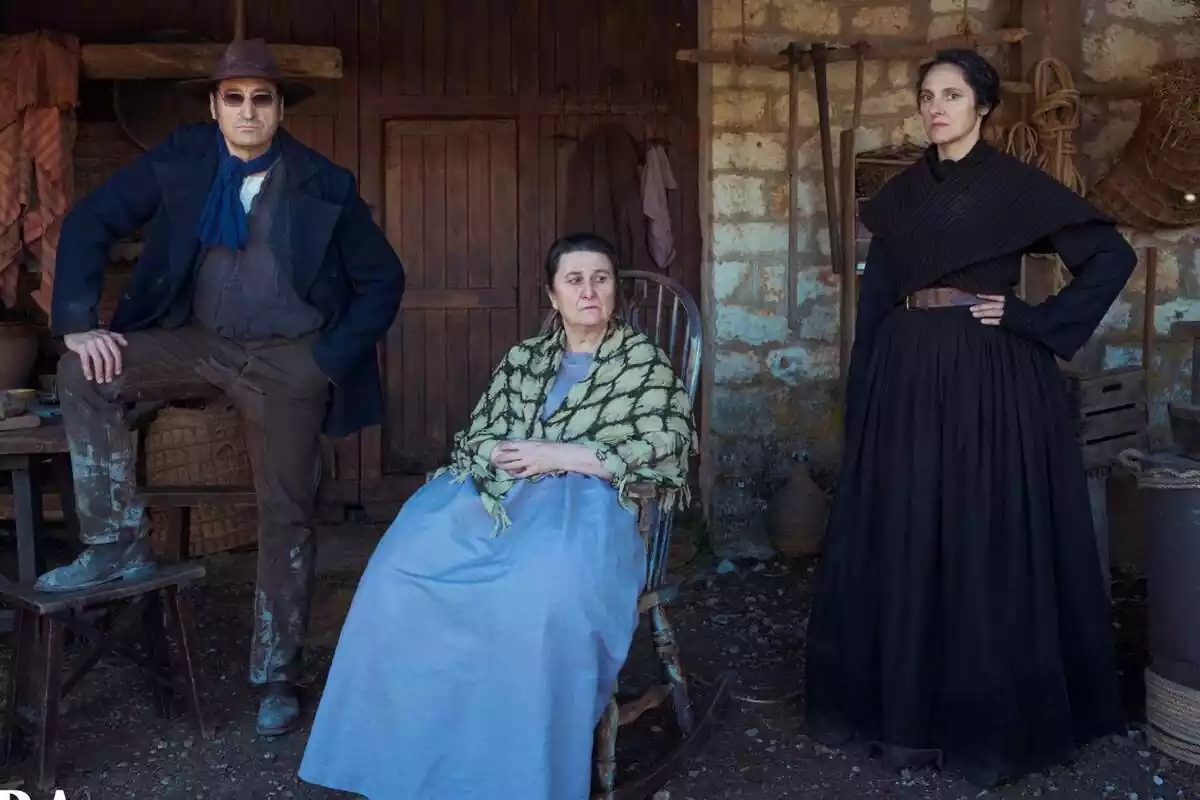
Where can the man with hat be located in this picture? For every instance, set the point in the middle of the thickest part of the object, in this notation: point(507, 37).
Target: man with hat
point(263, 278)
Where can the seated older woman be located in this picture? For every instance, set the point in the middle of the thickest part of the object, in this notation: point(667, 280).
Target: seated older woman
point(491, 623)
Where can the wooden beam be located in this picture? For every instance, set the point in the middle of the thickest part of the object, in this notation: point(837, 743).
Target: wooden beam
point(483, 106)
point(1112, 90)
point(1132, 88)
point(182, 61)
point(907, 51)
point(1056, 31)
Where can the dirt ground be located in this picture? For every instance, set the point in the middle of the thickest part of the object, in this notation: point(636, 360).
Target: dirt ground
point(745, 619)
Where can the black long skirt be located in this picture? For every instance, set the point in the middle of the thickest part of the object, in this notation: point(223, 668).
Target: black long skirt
point(960, 615)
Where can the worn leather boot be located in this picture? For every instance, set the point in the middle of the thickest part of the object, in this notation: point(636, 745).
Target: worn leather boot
point(100, 563)
point(279, 710)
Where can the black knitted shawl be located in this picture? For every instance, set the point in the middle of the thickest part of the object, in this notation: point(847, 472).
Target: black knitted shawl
point(954, 226)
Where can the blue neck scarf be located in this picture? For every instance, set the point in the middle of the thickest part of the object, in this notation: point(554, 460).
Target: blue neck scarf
point(223, 221)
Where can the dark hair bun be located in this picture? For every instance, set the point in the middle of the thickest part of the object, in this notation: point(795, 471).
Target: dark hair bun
point(979, 73)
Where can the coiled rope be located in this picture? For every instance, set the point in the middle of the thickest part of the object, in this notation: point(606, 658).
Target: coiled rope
point(1173, 717)
point(1168, 472)
point(1056, 117)
point(1048, 139)
point(1021, 141)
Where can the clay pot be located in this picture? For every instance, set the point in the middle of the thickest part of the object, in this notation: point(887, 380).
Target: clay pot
point(18, 354)
point(796, 515)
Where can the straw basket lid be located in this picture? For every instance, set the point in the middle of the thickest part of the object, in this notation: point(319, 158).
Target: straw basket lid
point(1155, 183)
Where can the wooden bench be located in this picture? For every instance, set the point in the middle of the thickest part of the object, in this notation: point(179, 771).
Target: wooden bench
point(20, 454)
point(177, 503)
point(124, 608)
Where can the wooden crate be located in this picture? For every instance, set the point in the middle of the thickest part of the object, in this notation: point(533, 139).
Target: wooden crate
point(1185, 428)
point(1109, 412)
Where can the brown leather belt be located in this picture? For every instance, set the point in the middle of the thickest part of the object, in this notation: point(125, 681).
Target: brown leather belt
point(940, 297)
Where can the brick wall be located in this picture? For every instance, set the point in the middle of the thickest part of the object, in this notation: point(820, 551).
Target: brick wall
point(1124, 39)
point(774, 390)
point(773, 393)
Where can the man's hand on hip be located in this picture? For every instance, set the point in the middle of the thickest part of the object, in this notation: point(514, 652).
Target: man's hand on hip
point(99, 353)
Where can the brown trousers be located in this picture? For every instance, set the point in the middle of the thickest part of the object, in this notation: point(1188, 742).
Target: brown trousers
point(281, 395)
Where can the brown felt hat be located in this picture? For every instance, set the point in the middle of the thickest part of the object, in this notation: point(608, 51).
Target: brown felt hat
point(251, 58)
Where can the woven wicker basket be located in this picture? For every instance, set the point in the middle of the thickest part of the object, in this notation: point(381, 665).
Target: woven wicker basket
point(1173, 718)
point(1155, 182)
point(201, 447)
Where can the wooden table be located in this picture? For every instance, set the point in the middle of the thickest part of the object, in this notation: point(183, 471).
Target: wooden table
point(20, 452)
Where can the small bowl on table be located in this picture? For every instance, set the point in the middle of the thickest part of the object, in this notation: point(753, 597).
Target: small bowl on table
point(15, 402)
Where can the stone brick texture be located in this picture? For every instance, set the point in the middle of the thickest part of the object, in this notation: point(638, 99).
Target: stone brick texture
point(1123, 39)
point(774, 392)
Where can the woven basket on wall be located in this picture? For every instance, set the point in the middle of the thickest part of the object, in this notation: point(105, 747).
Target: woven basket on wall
point(1155, 182)
point(201, 447)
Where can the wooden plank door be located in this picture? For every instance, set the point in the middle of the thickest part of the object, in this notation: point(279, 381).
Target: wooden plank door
point(450, 206)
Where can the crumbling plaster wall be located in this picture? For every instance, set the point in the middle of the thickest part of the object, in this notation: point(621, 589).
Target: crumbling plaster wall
point(773, 391)
point(1124, 39)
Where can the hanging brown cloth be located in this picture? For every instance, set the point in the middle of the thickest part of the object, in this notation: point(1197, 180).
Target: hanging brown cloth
point(657, 180)
point(39, 89)
point(604, 193)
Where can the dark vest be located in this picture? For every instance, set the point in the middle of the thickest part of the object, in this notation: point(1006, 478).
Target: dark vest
point(250, 294)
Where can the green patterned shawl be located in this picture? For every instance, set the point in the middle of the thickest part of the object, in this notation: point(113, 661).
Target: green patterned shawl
point(630, 410)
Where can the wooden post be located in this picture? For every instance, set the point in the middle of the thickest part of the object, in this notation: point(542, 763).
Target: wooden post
point(860, 68)
point(848, 288)
point(239, 19)
point(1148, 330)
point(793, 144)
point(820, 54)
point(1055, 31)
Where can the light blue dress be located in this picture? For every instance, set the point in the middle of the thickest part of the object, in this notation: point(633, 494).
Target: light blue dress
point(473, 665)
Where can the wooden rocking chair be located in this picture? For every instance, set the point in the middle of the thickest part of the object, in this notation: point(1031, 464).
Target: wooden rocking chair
point(662, 308)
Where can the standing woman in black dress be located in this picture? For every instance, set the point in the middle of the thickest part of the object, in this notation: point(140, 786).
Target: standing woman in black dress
point(960, 617)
